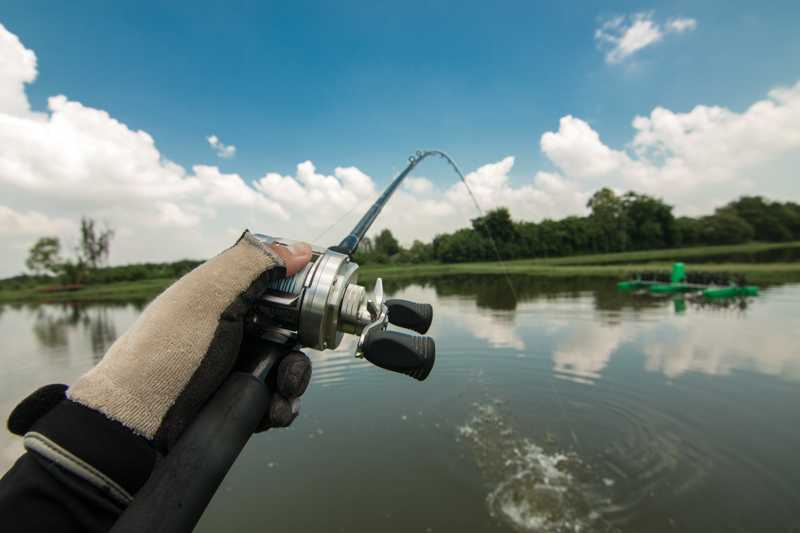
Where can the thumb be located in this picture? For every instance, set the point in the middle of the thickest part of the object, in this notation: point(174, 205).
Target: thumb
point(296, 256)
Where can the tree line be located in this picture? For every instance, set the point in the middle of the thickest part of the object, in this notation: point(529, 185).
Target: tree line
point(47, 265)
point(630, 222)
point(617, 223)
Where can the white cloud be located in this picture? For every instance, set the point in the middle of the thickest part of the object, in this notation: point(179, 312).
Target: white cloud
point(682, 154)
point(577, 149)
point(679, 25)
point(76, 160)
point(585, 350)
point(172, 215)
point(417, 185)
point(620, 40)
point(223, 151)
point(230, 190)
point(33, 223)
point(550, 195)
point(314, 198)
point(17, 67)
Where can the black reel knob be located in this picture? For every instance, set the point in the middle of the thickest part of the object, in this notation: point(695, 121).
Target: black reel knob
point(410, 315)
point(407, 354)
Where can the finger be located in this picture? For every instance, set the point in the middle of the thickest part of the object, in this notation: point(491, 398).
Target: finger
point(282, 412)
point(296, 256)
point(294, 373)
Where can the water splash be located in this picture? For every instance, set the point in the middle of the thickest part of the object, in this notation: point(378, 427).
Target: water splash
point(533, 487)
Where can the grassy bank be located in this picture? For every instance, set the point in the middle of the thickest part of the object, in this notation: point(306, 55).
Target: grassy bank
point(619, 265)
point(121, 291)
point(756, 273)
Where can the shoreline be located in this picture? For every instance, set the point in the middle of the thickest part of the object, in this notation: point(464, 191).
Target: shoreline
point(617, 265)
point(757, 274)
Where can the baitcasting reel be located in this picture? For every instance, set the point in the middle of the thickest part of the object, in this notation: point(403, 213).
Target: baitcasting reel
point(321, 303)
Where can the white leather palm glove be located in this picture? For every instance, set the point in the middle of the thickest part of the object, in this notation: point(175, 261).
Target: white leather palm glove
point(161, 371)
point(155, 377)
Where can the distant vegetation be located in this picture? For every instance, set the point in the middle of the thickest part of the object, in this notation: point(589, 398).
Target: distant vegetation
point(127, 273)
point(48, 267)
point(628, 223)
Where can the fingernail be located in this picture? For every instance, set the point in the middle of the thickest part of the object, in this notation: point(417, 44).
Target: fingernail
point(296, 248)
point(295, 403)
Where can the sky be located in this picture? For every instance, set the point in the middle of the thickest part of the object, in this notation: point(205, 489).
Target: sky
point(180, 124)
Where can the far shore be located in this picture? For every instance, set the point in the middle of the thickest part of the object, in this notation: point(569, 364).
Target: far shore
point(620, 266)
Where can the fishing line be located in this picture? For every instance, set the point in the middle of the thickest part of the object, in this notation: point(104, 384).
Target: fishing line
point(510, 286)
point(561, 407)
point(370, 195)
point(352, 240)
point(486, 226)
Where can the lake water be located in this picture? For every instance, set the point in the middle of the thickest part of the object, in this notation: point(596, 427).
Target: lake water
point(573, 407)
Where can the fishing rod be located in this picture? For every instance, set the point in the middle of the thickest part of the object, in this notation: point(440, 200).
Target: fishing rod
point(312, 309)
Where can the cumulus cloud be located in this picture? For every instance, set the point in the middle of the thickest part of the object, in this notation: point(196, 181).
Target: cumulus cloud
point(549, 195)
point(620, 37)
point(17, 67)
point(75, 160)
point(417, 185)
point(682, 153)
point(317, 198)
point(223, 151)
point(33, 223)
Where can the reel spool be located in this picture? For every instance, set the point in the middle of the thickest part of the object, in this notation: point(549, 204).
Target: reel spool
point(321, 303)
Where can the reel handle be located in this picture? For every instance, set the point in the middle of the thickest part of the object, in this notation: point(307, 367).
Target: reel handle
point(410, 315)
point(407, 354)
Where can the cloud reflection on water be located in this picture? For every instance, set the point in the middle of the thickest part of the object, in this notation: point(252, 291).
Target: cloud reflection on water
point(589, 322)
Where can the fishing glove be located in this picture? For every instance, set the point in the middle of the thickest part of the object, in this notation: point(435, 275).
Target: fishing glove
point(113, 426)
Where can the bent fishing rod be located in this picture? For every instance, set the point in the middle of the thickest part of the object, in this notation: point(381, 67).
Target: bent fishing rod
point(312, 309)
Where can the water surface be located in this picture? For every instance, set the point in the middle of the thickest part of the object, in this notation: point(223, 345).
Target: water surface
point(573, 408)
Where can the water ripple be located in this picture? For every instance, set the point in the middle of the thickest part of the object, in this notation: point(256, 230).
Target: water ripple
point(533, 487)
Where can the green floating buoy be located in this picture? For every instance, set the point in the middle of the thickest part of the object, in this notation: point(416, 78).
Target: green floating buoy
point(678, 273)
point(729, 292)
point(669, 289)
point(678, 284)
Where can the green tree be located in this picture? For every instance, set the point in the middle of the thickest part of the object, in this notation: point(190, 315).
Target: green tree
point(497, 226)
point(652, 225)
point(463, 246)
point(420, 252)
point(609, 215)
point(385, 243)
point(767, 219)
point(725, 227)
point(365, 245)
point(43, 257)
point(688, 231)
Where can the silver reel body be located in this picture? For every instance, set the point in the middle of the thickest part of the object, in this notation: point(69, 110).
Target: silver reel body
point(317, 306)
point(322, 302)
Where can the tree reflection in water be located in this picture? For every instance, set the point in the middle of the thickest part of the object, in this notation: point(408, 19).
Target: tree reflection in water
point(492, 292)
point(55, 323)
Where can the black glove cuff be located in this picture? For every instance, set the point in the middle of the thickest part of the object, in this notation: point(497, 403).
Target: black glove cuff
point(107, 447)
point(34, 407)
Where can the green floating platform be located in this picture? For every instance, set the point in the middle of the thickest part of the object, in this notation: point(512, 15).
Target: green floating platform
point(678, 285)
point(729, 292)
point(671, 288)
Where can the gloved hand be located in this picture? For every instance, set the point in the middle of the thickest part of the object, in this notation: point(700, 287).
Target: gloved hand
point(156, 376)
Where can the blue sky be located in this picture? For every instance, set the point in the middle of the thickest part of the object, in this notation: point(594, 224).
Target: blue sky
point(320, 104)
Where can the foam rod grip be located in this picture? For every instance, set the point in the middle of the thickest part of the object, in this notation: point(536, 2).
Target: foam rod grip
point(398, 352)
point(410, 315)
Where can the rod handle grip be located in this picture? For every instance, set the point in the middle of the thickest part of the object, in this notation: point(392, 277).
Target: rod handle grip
point(410, 315)
point(407, 354)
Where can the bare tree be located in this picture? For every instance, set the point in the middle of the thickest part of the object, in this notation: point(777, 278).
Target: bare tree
point(94, 248)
